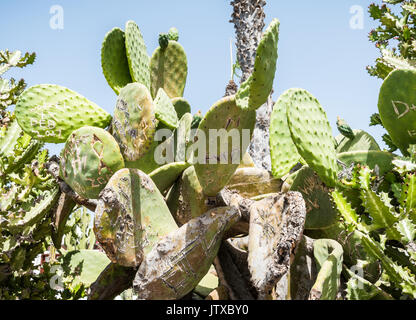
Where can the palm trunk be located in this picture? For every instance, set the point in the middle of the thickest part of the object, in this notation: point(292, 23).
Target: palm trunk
point(248, 19)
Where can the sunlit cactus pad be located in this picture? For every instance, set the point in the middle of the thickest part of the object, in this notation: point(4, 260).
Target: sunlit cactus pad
point(256, 89)
point(50, 113)
point(164, 110)
point(137, 56)
point(312, 135)
point(235, 126)
point(181, 106)
point(131, 217)
point(90, 157)
point(168, 70)
point(283, 152)
point(114, 60)
point(134, 123)
point(397, 107)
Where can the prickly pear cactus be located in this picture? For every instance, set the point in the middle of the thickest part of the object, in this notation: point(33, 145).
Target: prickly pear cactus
point(168, 70)
point(233, 123)
point(134, 122)
point(396, 106)
point(173, 34)
point(251, 182)
point(90, 157)
point(312, 135)
point(137, 56)
point(319, 208)
point(181, 106)
point(179, 261)
point(165, 176)
point(165, 111)
point(131, 217)
point(114, 60)
point(163, 41)
point(283, 152)
point(256, 89)
point(50, 113)
point(381, 159)
point(328, 254)
point(353, 140)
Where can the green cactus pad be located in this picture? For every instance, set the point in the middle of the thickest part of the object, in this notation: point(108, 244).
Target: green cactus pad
point(180, 260)
point(114, 60)
point(134, 123)
point(131, 217)
point(90, 157)
point(283, 152)
point(254, 92)
point(164, 110)
point(319, 208)
point(190, 197)
point(168, 70)
point(382, 159)
point(165, 176)
point(312, 135)
point(181, 106)
point(137, 56)
point(163, 41)
point(362, 141)
point(224, 114)
point(50, 113)
point(328, 255)
point(86, 264)
point(397, 107)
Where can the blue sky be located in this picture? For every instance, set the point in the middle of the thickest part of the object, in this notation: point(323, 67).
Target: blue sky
point(318, 50)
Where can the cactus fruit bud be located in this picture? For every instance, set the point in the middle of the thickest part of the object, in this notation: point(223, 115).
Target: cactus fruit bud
point(90, 157)
point(344, 128)
point(173, 34)
point(163, 41)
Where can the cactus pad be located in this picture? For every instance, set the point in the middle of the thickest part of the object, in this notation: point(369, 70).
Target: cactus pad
point(164, 110)
point(361, 141)
point(251, 182)
point(165, 176)
point(230, 121)
point(137, 56)
point(312, 135)
point(319, 209)
point(90, 157)
point(134, 123)
point(114, 60)
point(370, 158)
point(180, 260)
point(181, 106)
point(397, 107)
point(254, 92)
point(168, 70)
point(283, 152)
point(50, 113)
point(131, 216)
